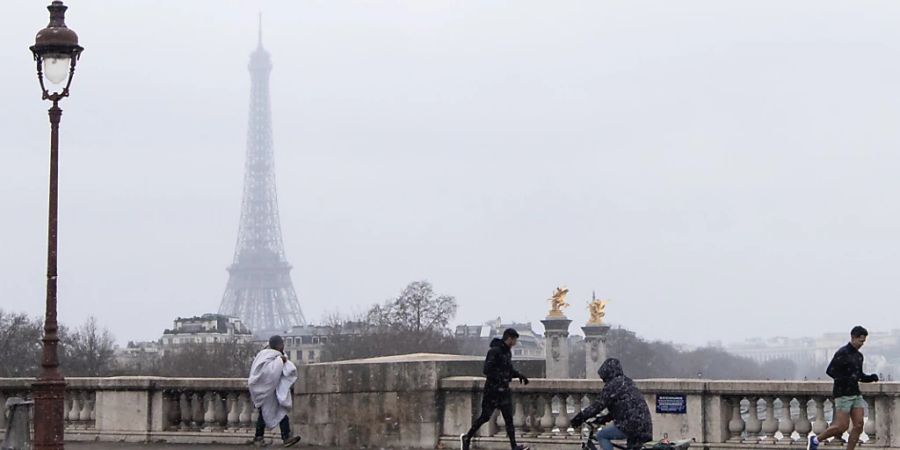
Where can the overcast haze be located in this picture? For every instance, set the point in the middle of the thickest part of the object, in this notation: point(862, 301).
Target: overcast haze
point(718, 169)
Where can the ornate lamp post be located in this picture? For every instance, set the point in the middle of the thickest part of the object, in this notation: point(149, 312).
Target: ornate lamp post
point(56, 51)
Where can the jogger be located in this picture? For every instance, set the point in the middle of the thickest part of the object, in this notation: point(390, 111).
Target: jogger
point(499, 371)
point(849, 406)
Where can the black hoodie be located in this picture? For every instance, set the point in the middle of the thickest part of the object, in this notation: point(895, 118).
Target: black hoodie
point(498, 368)
point(625, 403)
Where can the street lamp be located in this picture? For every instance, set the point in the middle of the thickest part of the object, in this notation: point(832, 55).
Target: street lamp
point(56, 51)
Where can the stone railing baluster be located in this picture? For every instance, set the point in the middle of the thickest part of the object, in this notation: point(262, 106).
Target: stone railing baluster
point(803, 426)
point(546, 422)
point(785, 422)
point(220, 412)
point(537, 414)
point(87, 410)
point(770, 424)
point(753, 426)
point(74, 413)
point(209, 411)
point(186, 411)
point(870, 427)
point(736, 424)
point(173, 413)
point(197, 411)
point(519, 414)
point(584, 403)
point(234, 412)
point(528, 426)
point(93, 410)
point(246, 407)
point(562, 419)
point(820, 425)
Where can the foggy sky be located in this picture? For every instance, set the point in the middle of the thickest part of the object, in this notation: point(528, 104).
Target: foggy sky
point(718, 169)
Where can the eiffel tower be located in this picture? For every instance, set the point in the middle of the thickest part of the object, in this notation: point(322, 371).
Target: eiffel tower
point(259, 290)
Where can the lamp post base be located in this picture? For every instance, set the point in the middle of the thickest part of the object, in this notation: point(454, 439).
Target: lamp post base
point(49, 413)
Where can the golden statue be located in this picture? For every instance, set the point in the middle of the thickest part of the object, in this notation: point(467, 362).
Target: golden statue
point(558, 302)
point(597, 308)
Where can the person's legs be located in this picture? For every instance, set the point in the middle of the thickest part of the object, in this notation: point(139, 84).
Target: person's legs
point(260, 426)
point(841, 420)
point(285, 426)
point(857, 416)
point(608, 434)
point(487, 410)
point(506, 409)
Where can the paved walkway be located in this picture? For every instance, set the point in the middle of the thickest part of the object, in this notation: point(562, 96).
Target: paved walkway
point(123, 446)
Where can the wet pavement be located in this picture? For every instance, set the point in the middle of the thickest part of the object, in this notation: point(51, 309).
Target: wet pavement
point(123, 446)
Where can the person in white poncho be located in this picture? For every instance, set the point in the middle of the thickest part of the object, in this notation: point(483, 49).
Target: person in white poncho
point(271, 378)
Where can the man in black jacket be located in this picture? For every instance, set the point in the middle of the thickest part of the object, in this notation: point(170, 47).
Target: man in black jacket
point(847, 370)
point(499, 371)
point(626, 406)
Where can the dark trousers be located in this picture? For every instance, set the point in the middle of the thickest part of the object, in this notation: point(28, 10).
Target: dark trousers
point(490, 402)
point(285, 426)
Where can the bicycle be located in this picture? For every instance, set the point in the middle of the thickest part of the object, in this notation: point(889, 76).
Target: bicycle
point(589, 439)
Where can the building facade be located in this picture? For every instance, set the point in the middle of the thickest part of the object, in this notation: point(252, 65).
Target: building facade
point(205, 329)
point(530, 344)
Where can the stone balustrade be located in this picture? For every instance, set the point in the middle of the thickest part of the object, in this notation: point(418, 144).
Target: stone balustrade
point(151, 409)
point(424, 401)
point(719, 414)
point(80, 402)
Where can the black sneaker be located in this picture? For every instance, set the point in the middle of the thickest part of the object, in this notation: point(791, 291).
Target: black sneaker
point(521, 447)
point(464, 441)
point(292, 441)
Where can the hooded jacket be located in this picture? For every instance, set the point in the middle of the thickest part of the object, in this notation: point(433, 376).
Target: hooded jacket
point(498, 368)
point(625, 403)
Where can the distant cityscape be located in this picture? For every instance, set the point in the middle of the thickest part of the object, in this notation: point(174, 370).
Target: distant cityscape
point(305, 344)
point(880, 350)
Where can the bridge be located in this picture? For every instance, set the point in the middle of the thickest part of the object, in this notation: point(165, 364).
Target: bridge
point(425, 401)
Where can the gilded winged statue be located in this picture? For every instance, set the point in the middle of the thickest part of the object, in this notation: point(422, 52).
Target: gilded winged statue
point(597, 308)
point(558, 302)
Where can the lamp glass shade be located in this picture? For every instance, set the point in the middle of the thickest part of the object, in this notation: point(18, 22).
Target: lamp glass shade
point(56, 68)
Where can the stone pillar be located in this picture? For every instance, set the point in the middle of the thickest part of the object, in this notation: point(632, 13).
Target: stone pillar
point(594, 348)
point(556, 346)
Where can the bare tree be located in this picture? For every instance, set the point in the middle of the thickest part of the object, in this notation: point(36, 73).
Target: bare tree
point(417, 309)
point(89, 351)
point(20, 345)
point(229, 359)
point(414, 322)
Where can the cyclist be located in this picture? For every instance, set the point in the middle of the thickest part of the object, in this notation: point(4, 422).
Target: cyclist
point(626, 406)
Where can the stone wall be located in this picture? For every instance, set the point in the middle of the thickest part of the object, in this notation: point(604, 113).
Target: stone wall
point(393, 402)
